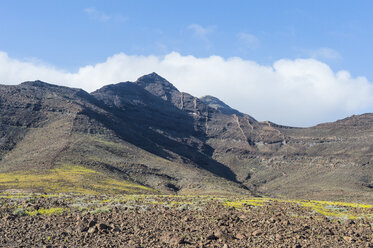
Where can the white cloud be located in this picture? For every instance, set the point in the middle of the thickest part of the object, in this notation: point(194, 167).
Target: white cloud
point(297, 92)
point(14, 71)
point(249, 40)
point(325, 53)
point(201, 31)
point(103, 17)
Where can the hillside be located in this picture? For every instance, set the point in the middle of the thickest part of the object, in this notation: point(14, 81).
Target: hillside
point(147, 136)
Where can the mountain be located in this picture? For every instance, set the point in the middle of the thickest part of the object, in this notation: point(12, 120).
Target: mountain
point(219, 105)
point(147, 136)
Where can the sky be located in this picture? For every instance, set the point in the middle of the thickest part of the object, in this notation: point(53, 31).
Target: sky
point(295, 63)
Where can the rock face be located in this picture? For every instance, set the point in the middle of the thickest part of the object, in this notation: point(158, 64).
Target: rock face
point(150, 133)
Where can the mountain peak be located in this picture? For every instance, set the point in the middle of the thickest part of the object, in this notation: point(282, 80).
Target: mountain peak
point(218, 104)
point(157, 85)
point(38, 83)
point(154, 78)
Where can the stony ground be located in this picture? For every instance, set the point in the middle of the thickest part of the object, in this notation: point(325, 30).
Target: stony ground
point(35, 220)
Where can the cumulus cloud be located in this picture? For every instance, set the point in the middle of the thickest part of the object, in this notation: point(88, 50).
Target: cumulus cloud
point(300, 92)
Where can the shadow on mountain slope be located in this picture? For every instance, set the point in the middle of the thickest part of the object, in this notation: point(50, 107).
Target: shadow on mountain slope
point(155, 126)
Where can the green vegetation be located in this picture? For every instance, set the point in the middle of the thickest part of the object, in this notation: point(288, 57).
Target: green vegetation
point(48, 211)
point(19, 212)
point(340, 210)
point(100, 203)
point(69, 179)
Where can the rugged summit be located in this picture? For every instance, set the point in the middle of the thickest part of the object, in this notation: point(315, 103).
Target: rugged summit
point(157, 85)
point(149, 135)
point(219, 105)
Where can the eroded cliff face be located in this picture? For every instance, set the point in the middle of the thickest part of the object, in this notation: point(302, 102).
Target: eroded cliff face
point(150, 133)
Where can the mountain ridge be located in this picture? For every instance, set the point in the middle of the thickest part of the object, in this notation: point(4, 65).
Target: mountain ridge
point(148, 132)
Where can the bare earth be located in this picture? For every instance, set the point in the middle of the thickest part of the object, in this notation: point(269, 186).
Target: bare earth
point(34, 220)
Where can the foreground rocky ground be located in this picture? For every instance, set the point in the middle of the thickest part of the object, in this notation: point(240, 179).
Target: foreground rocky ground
point(35, 220)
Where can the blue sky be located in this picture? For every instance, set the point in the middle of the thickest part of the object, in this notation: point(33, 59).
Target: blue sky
point(70, 35)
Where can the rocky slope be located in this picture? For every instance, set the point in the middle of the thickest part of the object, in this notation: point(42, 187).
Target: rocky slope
point(129, 221)
point(149, 133)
